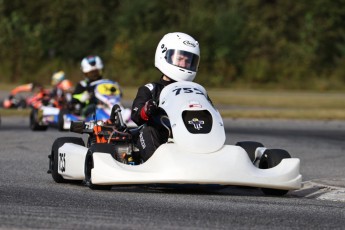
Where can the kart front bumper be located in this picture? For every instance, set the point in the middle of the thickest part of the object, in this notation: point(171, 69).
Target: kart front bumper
point(171, 165)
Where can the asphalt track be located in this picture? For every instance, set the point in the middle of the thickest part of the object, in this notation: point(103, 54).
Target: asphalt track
point(30, 199)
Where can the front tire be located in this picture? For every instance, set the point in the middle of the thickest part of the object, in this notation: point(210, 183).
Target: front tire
point(89, 164)
point(270, 159)
point(34, 121)
point(250, 147)
point(54, 156)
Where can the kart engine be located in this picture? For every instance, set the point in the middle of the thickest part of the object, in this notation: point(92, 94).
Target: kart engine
point(110, 132)
point(123, 153)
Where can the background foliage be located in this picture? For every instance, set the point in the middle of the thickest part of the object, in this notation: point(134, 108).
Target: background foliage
point(247, 44)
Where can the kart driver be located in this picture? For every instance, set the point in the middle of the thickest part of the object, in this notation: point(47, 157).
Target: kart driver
point(177, 58)
point(83, 99)
point(61, 90)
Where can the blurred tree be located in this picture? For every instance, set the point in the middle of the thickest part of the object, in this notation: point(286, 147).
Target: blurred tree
point(299, 44)
point(19, 39)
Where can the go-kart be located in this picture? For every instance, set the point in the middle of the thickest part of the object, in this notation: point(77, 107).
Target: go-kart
point(195, 153)
point(45, 111)
point(23, 96)
point(13, 102)
point(45, 116)
point(106, 92)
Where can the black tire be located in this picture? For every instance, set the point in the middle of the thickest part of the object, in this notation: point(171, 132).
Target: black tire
point(53, 157)
point(106, 148)
point(61, 120)
point(34, 124)
point(250, 147)
point(270, 159)
point(22, 103)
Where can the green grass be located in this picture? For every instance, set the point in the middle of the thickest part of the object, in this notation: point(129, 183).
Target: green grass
point(262, 104)
point(14, 112)
point(279, 105)
point(296, 100)
point(272, 104)
point(334, 114)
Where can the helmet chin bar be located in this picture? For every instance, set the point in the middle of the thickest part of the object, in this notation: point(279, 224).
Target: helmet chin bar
point(94, 75)
point(177, 74)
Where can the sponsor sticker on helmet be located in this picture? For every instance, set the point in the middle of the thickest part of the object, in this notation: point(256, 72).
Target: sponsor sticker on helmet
point(189, 43)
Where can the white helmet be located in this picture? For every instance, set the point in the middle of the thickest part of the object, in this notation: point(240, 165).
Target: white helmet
point(91, 63)
point(177, 56)
point(58, 77)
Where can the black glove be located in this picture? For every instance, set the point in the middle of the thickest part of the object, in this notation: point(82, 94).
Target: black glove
point(150, 108)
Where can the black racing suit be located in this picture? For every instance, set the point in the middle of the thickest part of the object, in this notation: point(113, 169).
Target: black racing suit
point(153, 133)
point(82, 107)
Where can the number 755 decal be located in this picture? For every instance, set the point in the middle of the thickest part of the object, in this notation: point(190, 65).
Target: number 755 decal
point(187, 90)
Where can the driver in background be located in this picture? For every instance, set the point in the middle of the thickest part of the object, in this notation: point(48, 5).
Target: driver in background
point(62, 89)
point(177, 58)
point(83, 98)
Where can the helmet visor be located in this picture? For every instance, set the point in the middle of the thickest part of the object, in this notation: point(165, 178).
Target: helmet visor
point(182, 59)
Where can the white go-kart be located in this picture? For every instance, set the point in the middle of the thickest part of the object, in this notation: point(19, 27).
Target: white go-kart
point(195, 153)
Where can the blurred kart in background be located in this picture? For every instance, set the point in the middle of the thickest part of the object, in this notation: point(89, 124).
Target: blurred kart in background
point(46, 107)
point(22, 96)
point(61, 115)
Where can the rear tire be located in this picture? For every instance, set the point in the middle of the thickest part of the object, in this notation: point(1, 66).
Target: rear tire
point(34, 122)
point(54, 156)
point(250, 147)
point(270, 159)
point(22, 103)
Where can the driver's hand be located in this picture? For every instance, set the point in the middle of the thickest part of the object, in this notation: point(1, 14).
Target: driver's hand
point(150, 109)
